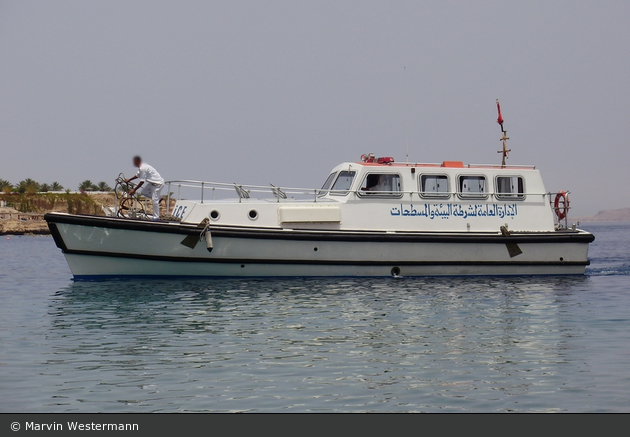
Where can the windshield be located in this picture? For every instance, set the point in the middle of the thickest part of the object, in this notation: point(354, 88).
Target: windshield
point(327, 184)
point(343, 182)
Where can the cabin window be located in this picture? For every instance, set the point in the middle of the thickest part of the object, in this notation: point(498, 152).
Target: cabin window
point(381, 184)
point(432, 185)
point(327, 184)
point(510, 187)
point(473, 186)
point(343, 183)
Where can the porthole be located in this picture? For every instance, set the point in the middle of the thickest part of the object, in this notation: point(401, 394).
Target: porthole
point(214, 215)
point(252, 214)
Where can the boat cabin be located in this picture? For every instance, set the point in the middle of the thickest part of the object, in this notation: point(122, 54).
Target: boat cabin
point(381, 194)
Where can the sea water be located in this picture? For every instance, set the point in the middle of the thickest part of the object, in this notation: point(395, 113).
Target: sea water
point(340, 345)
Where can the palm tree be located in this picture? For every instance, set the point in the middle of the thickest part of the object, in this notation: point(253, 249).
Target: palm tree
point(86, 185)
point(44, 188)
point(102, 186)
point(28, 185)
point(5, 186)
point(56, 186)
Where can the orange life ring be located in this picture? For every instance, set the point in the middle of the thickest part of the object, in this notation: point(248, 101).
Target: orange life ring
point(561, 210)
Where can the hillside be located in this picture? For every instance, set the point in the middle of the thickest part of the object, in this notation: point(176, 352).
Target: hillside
point(609, 215)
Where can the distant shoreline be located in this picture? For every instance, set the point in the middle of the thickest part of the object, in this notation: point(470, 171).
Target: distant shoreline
point(43, 233)
point(587, 222)
point(23, 214)
point(24, 224)
point(621, 215)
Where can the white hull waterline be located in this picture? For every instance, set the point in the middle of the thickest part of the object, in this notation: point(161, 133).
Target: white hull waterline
point(113, 247)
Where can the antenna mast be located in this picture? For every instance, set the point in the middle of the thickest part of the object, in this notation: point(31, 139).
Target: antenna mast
point(504, 139)
point(405, 110)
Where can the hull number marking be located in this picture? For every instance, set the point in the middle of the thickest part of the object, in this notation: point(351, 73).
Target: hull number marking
point(179, 211)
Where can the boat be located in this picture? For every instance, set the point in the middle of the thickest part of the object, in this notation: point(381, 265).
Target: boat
point(374, 217)
point(371, 218)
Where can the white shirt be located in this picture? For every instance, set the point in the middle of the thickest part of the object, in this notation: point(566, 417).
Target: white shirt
point(149, 174)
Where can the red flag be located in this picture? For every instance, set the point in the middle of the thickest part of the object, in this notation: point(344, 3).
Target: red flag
point(500, 119)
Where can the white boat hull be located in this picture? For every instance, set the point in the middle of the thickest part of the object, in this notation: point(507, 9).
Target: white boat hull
point(86, 267)
point(106, 247)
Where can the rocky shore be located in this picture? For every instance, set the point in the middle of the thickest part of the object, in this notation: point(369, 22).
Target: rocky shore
point(17, 223)
point(24, 214)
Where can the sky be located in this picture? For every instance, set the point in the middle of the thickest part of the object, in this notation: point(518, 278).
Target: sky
point(267, 91)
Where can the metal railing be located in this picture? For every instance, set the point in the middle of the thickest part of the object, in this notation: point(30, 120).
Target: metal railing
point(243, 191)
point(505, 167)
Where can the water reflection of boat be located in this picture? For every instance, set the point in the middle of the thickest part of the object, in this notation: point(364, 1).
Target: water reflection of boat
point(198, 345)
point(196, 305)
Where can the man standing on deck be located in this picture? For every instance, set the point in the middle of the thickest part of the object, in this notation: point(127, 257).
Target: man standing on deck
point(151, 184)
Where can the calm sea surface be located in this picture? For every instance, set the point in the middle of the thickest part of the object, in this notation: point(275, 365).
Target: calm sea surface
point(487, 344)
